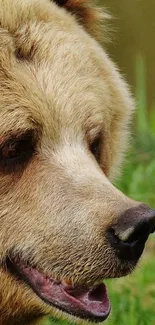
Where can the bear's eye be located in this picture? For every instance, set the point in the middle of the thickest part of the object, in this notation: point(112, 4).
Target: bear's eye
point(16, 151)
point(95, 147)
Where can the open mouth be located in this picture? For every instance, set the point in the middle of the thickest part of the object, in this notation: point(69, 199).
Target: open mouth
point(89, 303)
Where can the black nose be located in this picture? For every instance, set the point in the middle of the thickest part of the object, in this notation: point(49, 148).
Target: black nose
point(129, 235)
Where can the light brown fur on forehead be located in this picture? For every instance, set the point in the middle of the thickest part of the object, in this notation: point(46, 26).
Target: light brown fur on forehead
point(90, 16)
point(64, 79)
point(19, 110)
point(18, 13)
point(27, 32)
point(23, 20)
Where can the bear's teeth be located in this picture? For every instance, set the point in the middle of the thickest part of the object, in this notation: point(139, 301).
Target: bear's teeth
point(66, 283)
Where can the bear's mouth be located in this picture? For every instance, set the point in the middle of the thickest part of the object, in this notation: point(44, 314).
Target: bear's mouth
point(88, 303)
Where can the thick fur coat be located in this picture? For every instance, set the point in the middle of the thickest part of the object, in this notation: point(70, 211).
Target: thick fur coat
point(64, 123)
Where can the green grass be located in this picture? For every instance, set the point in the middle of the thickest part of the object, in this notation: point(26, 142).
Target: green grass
point(138, 179)
point(133, 297)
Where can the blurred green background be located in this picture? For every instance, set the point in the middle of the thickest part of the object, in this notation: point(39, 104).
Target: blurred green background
point(133, 48)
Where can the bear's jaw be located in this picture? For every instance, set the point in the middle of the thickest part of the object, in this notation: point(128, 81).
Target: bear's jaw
point(91, 303)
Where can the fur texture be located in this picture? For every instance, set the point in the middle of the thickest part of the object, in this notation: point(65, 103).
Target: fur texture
point(59, 88)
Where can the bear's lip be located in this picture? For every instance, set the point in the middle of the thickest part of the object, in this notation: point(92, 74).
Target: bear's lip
point(88, 303)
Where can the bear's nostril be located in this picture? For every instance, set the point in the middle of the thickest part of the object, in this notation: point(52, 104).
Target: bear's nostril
point(141, 232)
point(124, 235)
point(129, 250)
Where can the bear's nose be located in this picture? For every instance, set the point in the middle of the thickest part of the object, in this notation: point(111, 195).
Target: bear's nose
point(129, 235)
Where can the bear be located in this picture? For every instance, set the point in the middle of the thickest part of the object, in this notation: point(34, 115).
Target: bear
point(65, 116)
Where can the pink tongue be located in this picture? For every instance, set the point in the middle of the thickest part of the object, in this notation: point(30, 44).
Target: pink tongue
point(95, 300)
point(93, 303)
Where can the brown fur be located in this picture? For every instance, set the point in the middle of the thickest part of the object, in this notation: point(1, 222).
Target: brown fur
point(57, 83)
point(88, 15)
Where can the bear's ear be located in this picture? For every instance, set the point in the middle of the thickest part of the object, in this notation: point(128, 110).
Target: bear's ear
point(88, 15)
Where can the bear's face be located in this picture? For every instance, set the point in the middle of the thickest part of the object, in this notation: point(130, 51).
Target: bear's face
point(64, 114)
